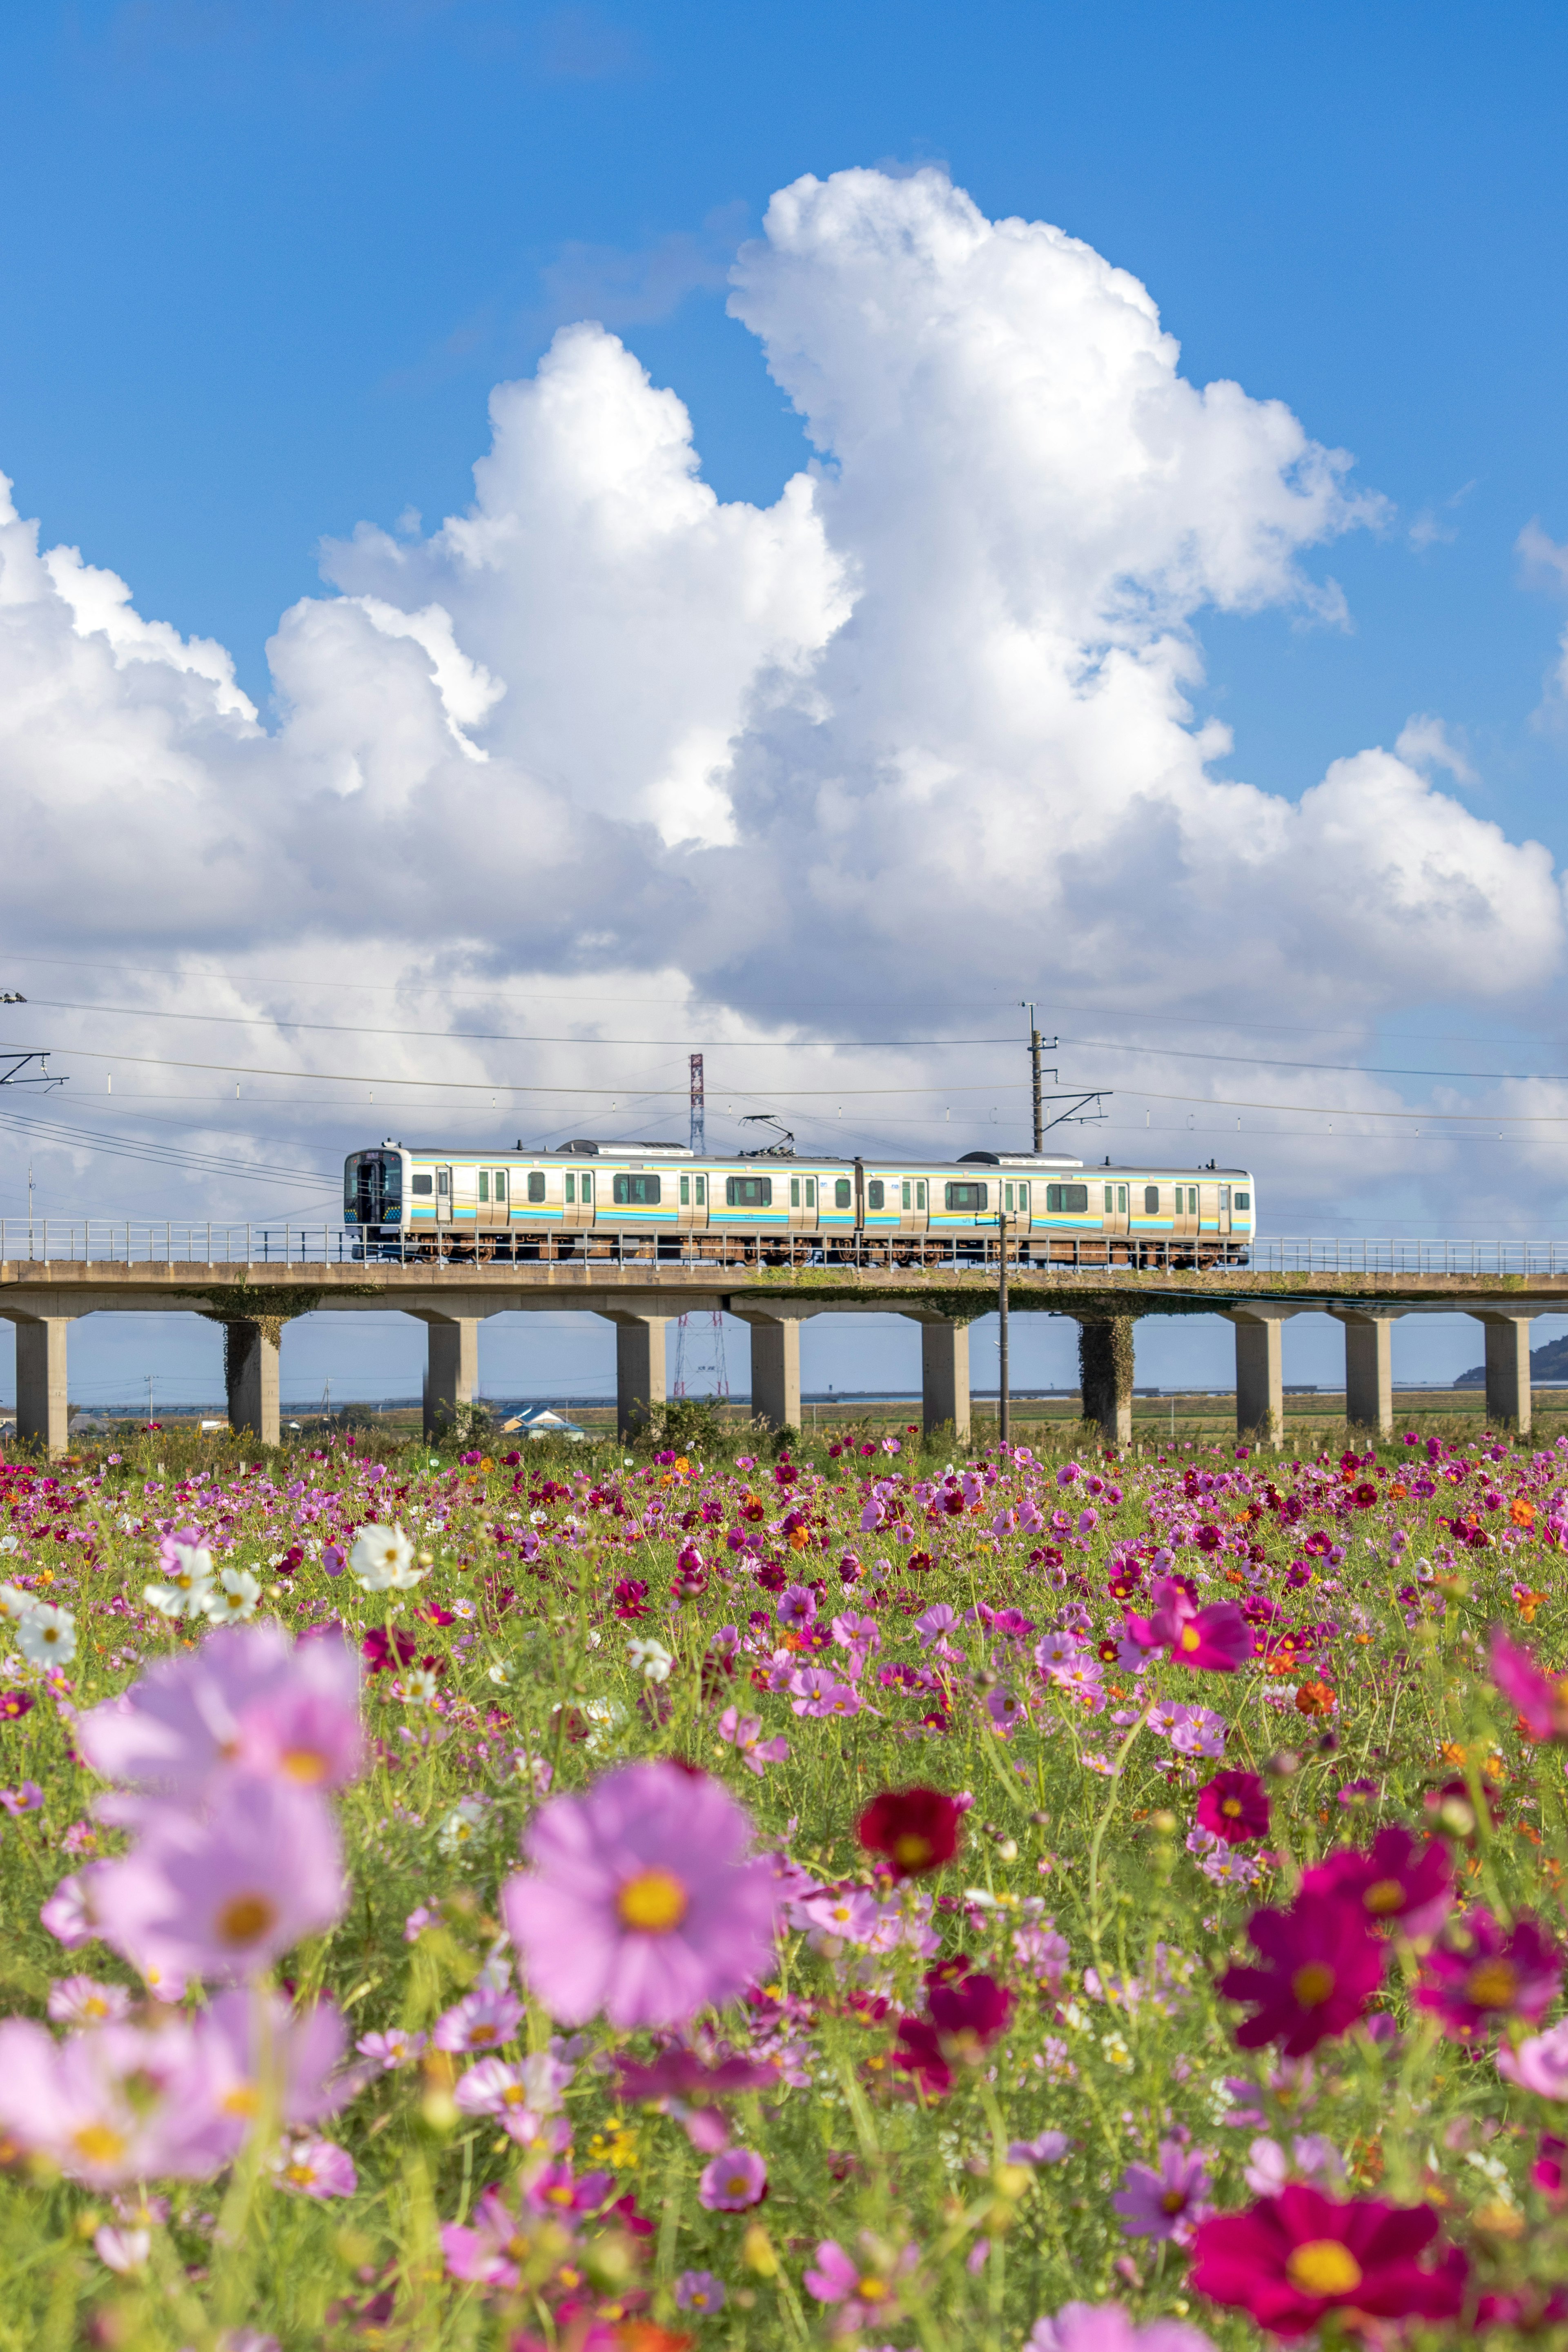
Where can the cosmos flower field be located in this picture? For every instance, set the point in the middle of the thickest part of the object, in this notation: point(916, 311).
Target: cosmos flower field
point(845, 1898)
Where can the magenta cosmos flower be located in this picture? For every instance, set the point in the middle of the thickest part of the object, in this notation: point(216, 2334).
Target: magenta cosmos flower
point(1399, 1881)
point(226, 1894)
point(1295, 2258)
point(1216, 1640)
point(1539, 2064)
point(1235, 1806)
point(1323, 1969)
point(1486, 1973)
point(641, 1903)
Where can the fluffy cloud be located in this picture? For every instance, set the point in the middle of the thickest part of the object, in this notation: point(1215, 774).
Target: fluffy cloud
point(923, 725)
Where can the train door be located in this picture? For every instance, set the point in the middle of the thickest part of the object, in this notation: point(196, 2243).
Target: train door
point(1115, 1208)
point(577, 1198)
point(802, 1205)
point(494, 1206)
point(1224, 1208)
point(443, 1196)
point(914, 1205)
point(694, 1199)
point(1015, 1208)
point(1185, 1214)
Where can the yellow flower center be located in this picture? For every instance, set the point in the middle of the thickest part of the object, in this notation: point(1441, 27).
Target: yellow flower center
point(1384, 1895)
point(1231, 1808)
point(1493, 1984)
point(245, 2099)
point(245, 1917)
point(653, 1902)
point(1313, 1983)
point(1191, 1638)
point(1324, 2266)
point(306, 1765)
point(871, 2290)
point(480, 2033)
point(912, 1850)
point(1173, 2200)
point(99, 2144)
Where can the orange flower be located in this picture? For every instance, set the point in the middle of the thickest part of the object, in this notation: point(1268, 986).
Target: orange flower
point(1315, 1698)
point(1522, 1511)
point(1399, 1487)
point(799, 1537)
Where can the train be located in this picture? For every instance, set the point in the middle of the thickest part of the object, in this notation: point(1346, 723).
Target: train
point(587, 1200)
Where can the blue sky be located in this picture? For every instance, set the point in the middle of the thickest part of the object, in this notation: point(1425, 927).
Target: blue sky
point(263, 265)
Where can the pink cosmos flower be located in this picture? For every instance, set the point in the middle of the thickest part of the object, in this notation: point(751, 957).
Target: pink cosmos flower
point(482, 2020)
point(282, 2058)
point(745, 1732)
point(82, 2001)
point(488, 2253)
point(1399, 1881)
point(733, 2182)
point(557, 2190)
point(226, 1894)
point(1216, 1640)
point(249, 1697)
point(641, 1903)
point(864, 2293)
point(1542, 1698)
point(1539, 2064)
point(817, 1693)
point(494, 2087)
point(700, 2292)
point(114, 2105)
point(391, 2050)
point(1108, 2328)
point(315, 2167)
point(1165, 2203)
point(68, 1914)
point(1485, 1973)
point(123, 2251)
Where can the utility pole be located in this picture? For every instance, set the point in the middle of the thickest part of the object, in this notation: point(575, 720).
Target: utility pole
point(699, 1109)
point(1035, 1073)
point(1004, 1400)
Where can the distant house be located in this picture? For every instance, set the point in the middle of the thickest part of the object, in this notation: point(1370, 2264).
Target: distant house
point(538, 1421)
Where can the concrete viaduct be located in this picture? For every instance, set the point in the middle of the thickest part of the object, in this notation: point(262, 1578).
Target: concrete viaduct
point(254, 1300)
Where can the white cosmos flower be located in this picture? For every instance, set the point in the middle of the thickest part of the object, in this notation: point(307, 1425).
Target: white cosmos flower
point(47, 1637)
point(457, 1829)
point(383, 1561)
point(650, 1659)
point(15, 1604)
point(421, 1689)
point(235, 1599)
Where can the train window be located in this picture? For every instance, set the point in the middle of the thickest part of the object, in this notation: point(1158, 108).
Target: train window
point(1151, 1200)
point(973, 1197)
point(906, 1193)
point(701, 1191)
point(571, 1189)
point(794, 1191)
point(638, 1191)
point(1066, 1199)
point(587, 1194)
point(1243, 1200)
point(876, 1193)
point(484, 1183)
point(424, 1184)
point(1110, 1197)
point(686, 1191)
point(921, 1197)
point(442, 1181)
point(841, 1192)
point(1122, 1200)
point(536, 1185)
point(501, 1183)
point(811, 1191)
point(749, 1191)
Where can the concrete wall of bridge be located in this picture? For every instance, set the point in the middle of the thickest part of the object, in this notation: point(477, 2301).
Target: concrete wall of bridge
point(254, 1303)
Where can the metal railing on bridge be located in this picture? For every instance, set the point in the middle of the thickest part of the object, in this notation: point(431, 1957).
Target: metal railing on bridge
point(170, 1241)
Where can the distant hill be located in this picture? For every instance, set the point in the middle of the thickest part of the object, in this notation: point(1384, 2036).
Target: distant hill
point(1548, 1368)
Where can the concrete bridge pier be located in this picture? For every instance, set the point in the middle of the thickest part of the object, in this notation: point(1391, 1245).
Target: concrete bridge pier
point(1508, 1367)
point(776, 1364)
point(43, 1412)
point(1105, 1374)
point(250, 1352)
point(944, 1375)
point(451, 1366)
point(1369, 1366)
point(1260, 1371)
point(639, 1369)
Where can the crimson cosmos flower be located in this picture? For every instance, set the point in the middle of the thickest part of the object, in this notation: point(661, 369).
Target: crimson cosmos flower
point(1323, 1969)
point(1292, 2258)
point(1398, 1881)
point(1485, 1974)
point(1235, 1806)
point(917, 1828)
